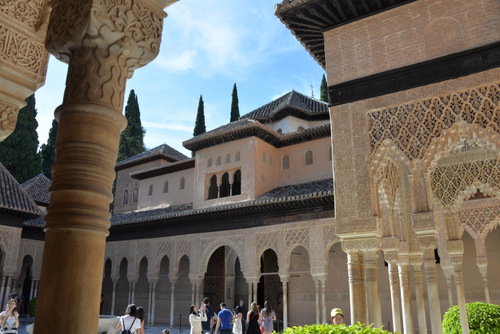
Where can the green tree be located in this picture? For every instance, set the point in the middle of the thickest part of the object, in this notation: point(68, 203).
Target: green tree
point(132, 138)
point(235, 110)
point(199, 126)
point(18, 153)
point(48, 151)
point(324, 89)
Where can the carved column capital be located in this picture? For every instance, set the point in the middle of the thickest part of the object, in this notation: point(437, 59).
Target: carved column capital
point(361, 244)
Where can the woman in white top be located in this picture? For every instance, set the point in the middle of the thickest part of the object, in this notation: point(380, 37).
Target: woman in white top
point(129, 321)
point(9, 319)
point(195, 319)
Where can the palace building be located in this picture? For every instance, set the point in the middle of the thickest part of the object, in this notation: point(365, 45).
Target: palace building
point(383, 201)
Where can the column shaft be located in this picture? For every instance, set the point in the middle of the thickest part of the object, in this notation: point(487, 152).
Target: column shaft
point(432, 291)
point(113, 297)
point(285, 304)
point(172, 295)
point(323, 302)
point(373, 295)
point(318, 310)
point(153, 305)
point(419, 294)
point(357, 293)
point(459, 284)
point(404, 284)
point(395, 301)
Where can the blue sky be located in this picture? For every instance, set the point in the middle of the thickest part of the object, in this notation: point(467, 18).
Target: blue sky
point(206, 47)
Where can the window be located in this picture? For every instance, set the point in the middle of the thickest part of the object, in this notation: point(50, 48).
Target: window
point(165, 187)
point(150, 190)
point(279, 131)
point(125, 197)
point(182, 183)
point(225, 186)
point(212, 188)
point(285, 162)
point(237, 156)
point(271, 162)
point(209, 164)
point(135, 196)
point(300, 128)
point(236, 183)
point(228, 158)
point(309, 157)
point(218, 161)
point(264, 158)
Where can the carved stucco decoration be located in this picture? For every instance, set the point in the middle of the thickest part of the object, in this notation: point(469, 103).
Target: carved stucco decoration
point(267, 240)
point(29, 13)
point(443, 36)
point(412, 126)
point(296, 237)
point(329, 237)
point(112, 39)
point(8, 119)
point(9, 244)
point(478, 222)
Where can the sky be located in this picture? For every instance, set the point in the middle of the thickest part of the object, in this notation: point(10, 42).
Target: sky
point(206, 47)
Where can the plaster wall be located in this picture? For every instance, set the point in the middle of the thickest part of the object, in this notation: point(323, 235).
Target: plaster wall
point(409, 34)
point(266, 167)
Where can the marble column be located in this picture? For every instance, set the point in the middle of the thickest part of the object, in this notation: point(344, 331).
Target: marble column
point(113, 298)
point(96, 39)
point(482, 264)
point(317, 289)
point(153, 304)
point(357, 293)
point(448, 275)
point(404, 283)
point(284, 282)
point(456, 260)
point(193, 292)
point(172, 298)
point(3, 290)
point(395, 300)
point(323, 301)
point(416, 266)
point(372, 290)
point(432, 290)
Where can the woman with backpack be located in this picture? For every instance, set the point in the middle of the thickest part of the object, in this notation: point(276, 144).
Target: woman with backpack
point(129, 323)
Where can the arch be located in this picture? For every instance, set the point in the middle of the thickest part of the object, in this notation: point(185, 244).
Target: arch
point(308, 157)
point(237, 156)
point(236, 183)
point(300, 283)
point(209, 163)
point(182, 183)
point(213, 190)
point(25, 279)
point(183, 285)
point(141, 295)
point(135, 196)
point(163, 290)
point(285, 162)
point(269, 286)
point(219, 161)
point(225, 186)
point(300, 128)
point(125, 197)
point(280, 131)
point(228, 158)
point(107, 287)
point(165, 187)
point(122, 287)
point(211, 248)
point(150, 190)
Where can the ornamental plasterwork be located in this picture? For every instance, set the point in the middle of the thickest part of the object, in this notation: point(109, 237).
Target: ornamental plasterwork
point(182, 247)
point(163, 248)
point(9, 243)
point(267, 240)
point(142, 250)
point(329, 235)
point(478, 222)
point(299, 236)
point(413, 125)
point(26, 12)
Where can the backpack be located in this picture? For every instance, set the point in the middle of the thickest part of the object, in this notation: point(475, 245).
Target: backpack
point(127, 331)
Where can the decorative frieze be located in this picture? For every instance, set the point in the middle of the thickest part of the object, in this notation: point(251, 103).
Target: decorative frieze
point(478, 222)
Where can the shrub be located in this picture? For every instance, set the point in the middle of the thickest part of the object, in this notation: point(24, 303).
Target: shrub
point(483, 319)
point(32, 307)
point(335, 329)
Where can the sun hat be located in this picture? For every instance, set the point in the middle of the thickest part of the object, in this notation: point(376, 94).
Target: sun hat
point(336, 311)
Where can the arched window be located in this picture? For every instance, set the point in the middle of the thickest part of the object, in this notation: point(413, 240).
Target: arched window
point(228, 158)
point(135, 196)
point(237, 183)
point(309, 157)
point(212, 189)
point(271, 162)
point(182, 183)
point(237, 156)
point(264, 157)
point(330, 152)
point(300, 128)
point(285, 162)
point(150, 190)
point(219, 159)
point(224, 187)
point(279, 131)
point(209, 164)
point(165, 187)
point(125, 197)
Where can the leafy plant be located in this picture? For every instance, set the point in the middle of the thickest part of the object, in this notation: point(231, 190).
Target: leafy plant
point(357, 328)
point(483, 319)
point(32, 307)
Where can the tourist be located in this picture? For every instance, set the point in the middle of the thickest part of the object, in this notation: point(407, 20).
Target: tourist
point(196, 317)
point(337, 316)
point(225, 317)
point(253, 319)
point(140, 315)
point(268, 316)
point(238, 316)
point(243, 310)
point(9, 319)
point(129, 321)
point(208, 325)
point(165, 331)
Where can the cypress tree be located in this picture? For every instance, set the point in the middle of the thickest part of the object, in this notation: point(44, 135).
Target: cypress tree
point(324, 89)
point(132, 138)
point(48, 151)
point(18, 152)
point(199, 126)
point(235, 110)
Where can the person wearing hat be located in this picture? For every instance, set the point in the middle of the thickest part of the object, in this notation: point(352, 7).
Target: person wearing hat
point(337, 316)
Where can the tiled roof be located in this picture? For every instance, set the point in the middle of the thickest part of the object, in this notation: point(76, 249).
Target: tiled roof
point(291, 104)
point(36, 222)
point(14, 199)
point(286, 197)
point(160, 152)
point(38, 189)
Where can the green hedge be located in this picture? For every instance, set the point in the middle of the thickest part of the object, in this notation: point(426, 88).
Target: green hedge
point(335, 329)
point(483, 319)
point(32, 307)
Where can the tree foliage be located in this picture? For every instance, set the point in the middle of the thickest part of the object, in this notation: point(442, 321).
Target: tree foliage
point(48, 151)
point(18, 153)
point(235, 109)
point(132, 138)
point(483, 319)
point(199, 126)
point(324, 89)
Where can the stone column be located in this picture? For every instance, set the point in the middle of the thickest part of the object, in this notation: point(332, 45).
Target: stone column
point(2, 291)
point(416, 266)
point(482, 264)
point(455, 249)
point(317, 288)
point(150, 292)
point(113, 298)
point(284, 282)
point(252, 289)
point(323, 300)
point(153, 304)
point(32, 290)
point(395, 302)
point(357, 293)
point(372, 291)
point(404, 283)
point(103, 42)
point(448, 274)
point(172, 297)
point(193, 291)
point(432, 289)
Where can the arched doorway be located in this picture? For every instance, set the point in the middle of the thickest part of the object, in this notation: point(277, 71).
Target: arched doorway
point(163, 293)
point(183, 291)
point(107, 288)
point(141, 296)
point(122, 289)
point(301, 292)
point(269, 287)
point(25, 278)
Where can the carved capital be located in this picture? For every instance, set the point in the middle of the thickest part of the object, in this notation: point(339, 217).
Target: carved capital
point(427, 242)
point(8, 119)
point(103, 42)
point(361, 245)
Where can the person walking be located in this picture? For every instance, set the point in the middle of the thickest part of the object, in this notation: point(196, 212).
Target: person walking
point(225, 317)
point(253, 320)
point(196, 317)
point(243, 310)
point(208, 325)
point(268, 316)
point(129, 321)
point(140, 315)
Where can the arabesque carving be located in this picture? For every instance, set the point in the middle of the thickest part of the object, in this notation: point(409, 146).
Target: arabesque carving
point(8, 119)
point(478, 222)
point(413, 125)
point(267, 240)
point(297, 237)
point(26, 12)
